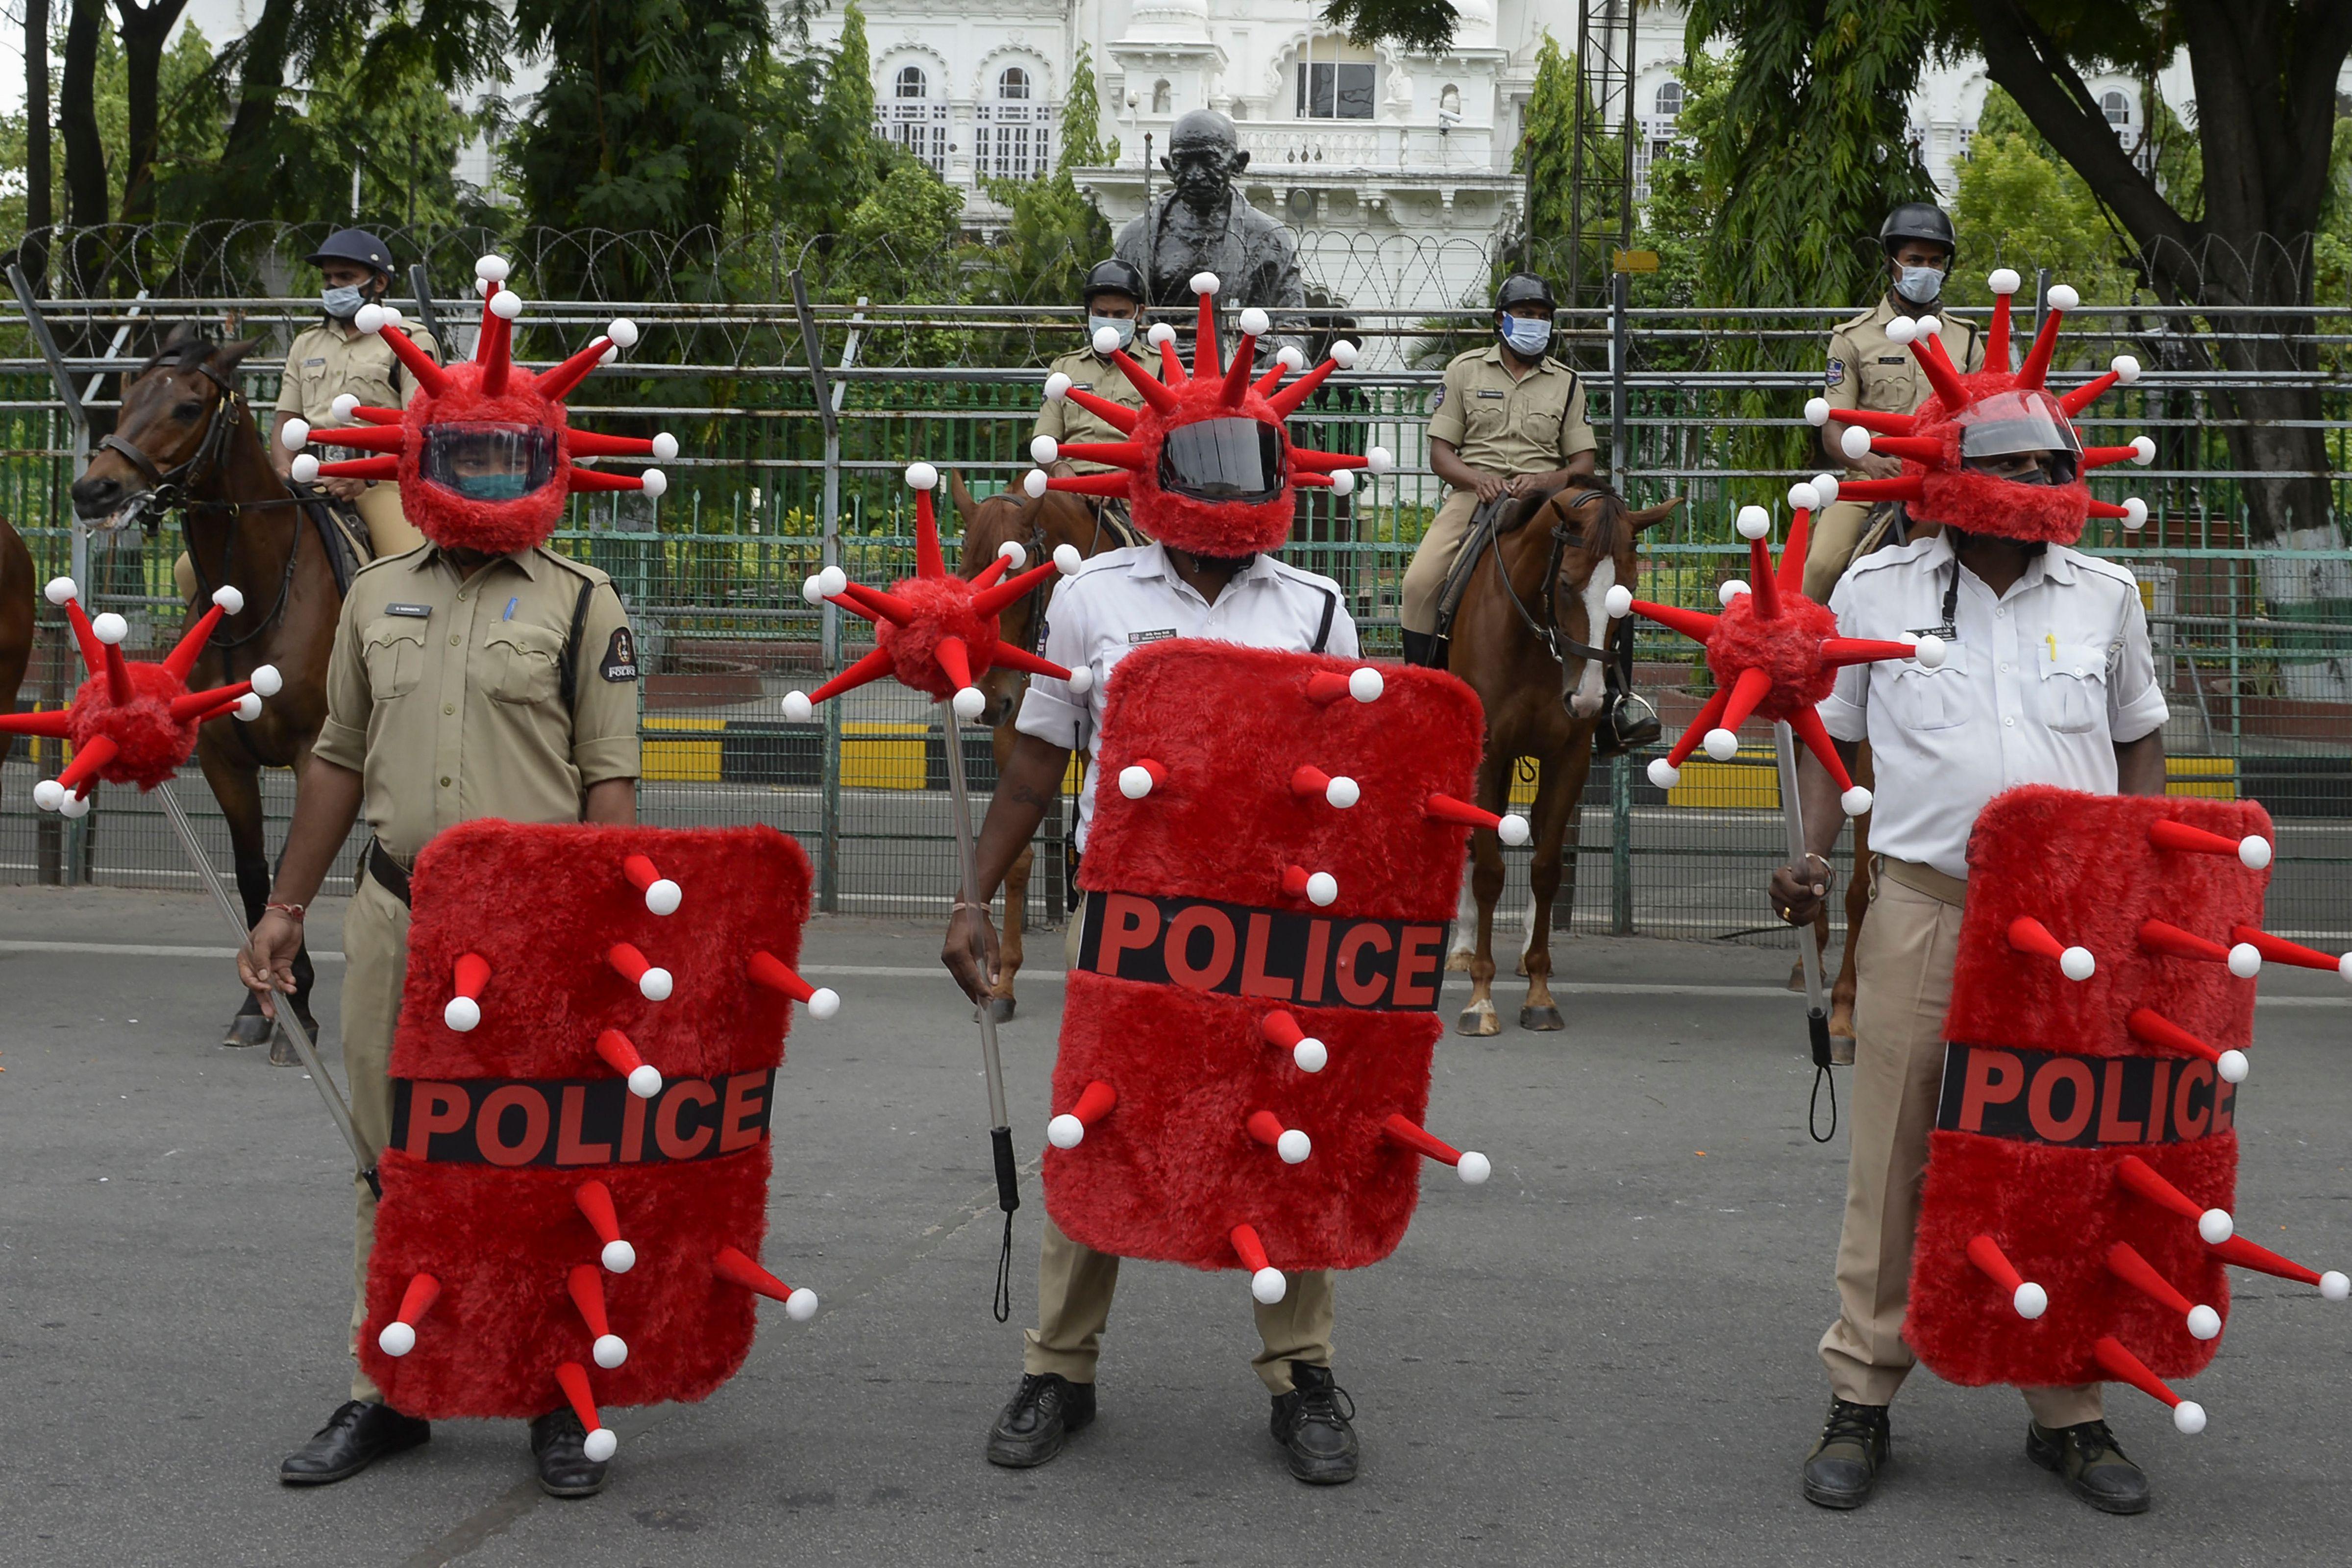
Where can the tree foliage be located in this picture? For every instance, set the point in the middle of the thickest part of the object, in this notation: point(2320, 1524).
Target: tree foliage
point(1082, 145)
point(1424, 27)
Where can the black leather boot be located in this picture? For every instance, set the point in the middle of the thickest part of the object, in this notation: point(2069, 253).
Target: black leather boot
point(355, 1436)
point(1845, 1465)
point(1045, 1410)
point(557, 1442)
point(2087, 1458)
point(1423, 649)
point(1312, 1424)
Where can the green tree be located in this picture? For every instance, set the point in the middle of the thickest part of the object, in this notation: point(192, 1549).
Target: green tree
point(1546, 158)
point(1082, 145)
point(1423, 27)
point(403, 134)
point(827, 159)
point(1678, 219)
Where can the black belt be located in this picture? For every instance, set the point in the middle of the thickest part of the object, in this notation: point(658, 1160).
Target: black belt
point(389, 874)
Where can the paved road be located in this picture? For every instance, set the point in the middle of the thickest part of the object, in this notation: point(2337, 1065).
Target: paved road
point(1604, 1355)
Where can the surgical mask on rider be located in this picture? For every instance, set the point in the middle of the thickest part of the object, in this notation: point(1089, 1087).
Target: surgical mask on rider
point(1920, 285)
point(1123, 325)
point(342, 303)
point(1530, 335)
point(493, 487)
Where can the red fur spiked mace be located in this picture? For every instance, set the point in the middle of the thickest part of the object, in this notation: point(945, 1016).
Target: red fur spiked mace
point(134, 723)
point(1209, 391)
point(936, 632)
point(490, 393)
point(1774, 652)
point(1991, 413)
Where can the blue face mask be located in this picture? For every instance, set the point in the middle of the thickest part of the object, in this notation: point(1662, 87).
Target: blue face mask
point(1123, 325)
point(494, 487)
point(1920, 285)
point(342, 303)
point(1530, 335)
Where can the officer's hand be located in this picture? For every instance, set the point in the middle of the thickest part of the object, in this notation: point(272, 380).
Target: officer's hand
point(1797, 890)
point(344, 488)
point(1493, 487)
point(970, 952)
point(1879, 466)
point(266, 962)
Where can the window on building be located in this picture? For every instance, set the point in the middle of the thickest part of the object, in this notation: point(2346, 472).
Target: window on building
point(913, 118)
point(1449, 101)
point(1669, 101)
point(1016, 139)
point(1335, 80)
point(2117, 107)
point(1162, 97)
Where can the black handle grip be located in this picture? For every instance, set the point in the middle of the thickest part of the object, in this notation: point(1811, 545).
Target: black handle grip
point(1818, 1022)
point(1008, 1174)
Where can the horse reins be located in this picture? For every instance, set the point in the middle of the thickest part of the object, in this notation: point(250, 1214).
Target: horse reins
point(1564, 536)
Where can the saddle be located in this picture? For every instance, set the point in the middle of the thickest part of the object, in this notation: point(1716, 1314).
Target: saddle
point(1485, 526)
point(342, 532)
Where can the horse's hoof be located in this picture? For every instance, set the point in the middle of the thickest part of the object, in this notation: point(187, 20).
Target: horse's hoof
point(1841, 1051)
point(1479, 1020)
point(1001, 1007)
point(1458, 961)
point(1543, 1020)
point(247, 1029)
point(1797, 975)
point(281, 1050)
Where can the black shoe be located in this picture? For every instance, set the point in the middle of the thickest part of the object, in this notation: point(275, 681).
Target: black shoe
point(2087, 1458)
point(564, 1467)
point(355, 1436)
point(1845, 1465)
point(1311, 1422)
point(1045, 1410)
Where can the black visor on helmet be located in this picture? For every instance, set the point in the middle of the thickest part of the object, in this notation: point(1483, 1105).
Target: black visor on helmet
point(1234, 459)
point(488, 462)
point(2015, 422)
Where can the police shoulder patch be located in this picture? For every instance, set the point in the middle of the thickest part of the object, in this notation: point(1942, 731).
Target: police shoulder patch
point(620, 661)
point(1836, 373)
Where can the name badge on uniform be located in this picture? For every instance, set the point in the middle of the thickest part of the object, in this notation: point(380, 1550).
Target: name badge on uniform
point(1151, 636)
point(415, 611)
point(1492, 392)
point(320, 359)
point(1893, 358)
point(620, 657)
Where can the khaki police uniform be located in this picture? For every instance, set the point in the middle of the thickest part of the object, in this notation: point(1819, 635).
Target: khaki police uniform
point(1499, 424)
point(1068, 424)
point(1868, 369)
point(443, 694)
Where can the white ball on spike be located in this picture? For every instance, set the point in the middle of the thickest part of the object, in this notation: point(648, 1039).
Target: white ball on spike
point(1322, 892)
point(2143, 451)
point(611, 1350)
point(1722, 744)
point(1474, 1168)
point(1205, 283)
point(1826, 487)
point(463, 1015)
point(369, 319)
point(48, 794)
point(1856, 442)
point(248, 708)
point(801, 1305)
point(1294, 1146)
point(1013, 550)
point(1082, 680)
point(267, 680)
point(2030, 1300)
point(656, 985)
point(58, 591)
point(1291, 357)
point(1043, 449)
point(74, 807)
point(824, 1002)
point(396, 1340)
point(492, 269)
point(612, 351)
point(1067, 560)
point(664, 897)
point(2245, 959)
point(1802, 497)
point(1256, 322)
point(1754, 523)
point(1343, 354)
point(618, 1257)
point(600, 1446)
point(1902, 330)
point(644, 1080)
point(1365, 684)
point(2333, 1286)
point(506, 304)
point(1342, 791)
point(2063, 298)
point(1514, 830)
point(1664, 774)
point(229, 598)
point(657, 483)
point(832, 580)
point(2188, 1416)
point(1618, 602)
point(1106, 341)
point(1268, 1286)
point(2135, 514)
point(623, 331)
point(2127, 369)
point(2004, 280)
point(1930, 651)
point(2076, 963)
point(1343, 482)
point(1066, 1132)
point(304, 470)
point(813, 589)
point(2254, 852)
point(1855, 802)
point(1160, 335)
point(1057, 387)
point(1379, 460)
point(1135, 782)
point(294, 435)
point(664, 446)
point(1929, 326)
point(1033, 483)
point(2204, 1323)
point(1817, 411)
point(922, 476)
point(108, 627)
point(1311, 1054)
point(969, 702)
point(1730, 589)
point(2216, 1227)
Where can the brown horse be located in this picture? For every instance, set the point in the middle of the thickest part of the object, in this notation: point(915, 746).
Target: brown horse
point(186, 440)
point(16, 619)
point(1040, 527)
point(1530, 608)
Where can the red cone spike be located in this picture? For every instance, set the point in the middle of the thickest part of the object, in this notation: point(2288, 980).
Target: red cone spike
point(581, 443)
point(2027, 934)
point(1695, 625)
point(1919, 448)
point(594, 481)
point(2153, 1028)
point(1089, 484)
point(1118, 418)
point(1909, 488)
point(766, 968)
point(1760, 581)
point(621, 1054)
point(190, 645)
point(1310, 477)
point(1154, 392)
point(596, 1202)
point(495, 350)
point(418, 1299)
point(1248, 1249)
point(1807, 726)
point(556, 383)
point(1005, 655)
point(429, 375)
point(1753, 687)
point(2263, 1260)
point(2107, 457)
point(875, 666)
point(2278, 950)
point(55, 723)
point(652, 981)
point(990, 600)
point(990, 572)
point(954, 662)
point(1237, 378)
point(1445, 808)
point(888, 607)
point(2125, 1262)
point(587, 1286)
point(364, 438)
point(1205, 363)
point(1281, 1030)
point(2162, 936)
point(2098, 508)
point(1710, 711)
point(2126, 1367)
point(853, 606)
point(572, 1378)
point(118, 676)
point(389, 469)
point(928, 563)
point(91, 755)
point(1128, 455)
point(737, 1268)
point(1326, 462)
point(1996, 354)
point(1994, 1264)
point(189, 704)
point(1421, 1141)
point(2031, 374)
point(1286, 402)
point(1861, 650)
point(93, 652)
point(1929, 351)
point(2083, 396)
point(1874, 419)
point(1263, 385)
point(1069, 1129)
point(379, 416)
point(2166, 833)
point(1789, 576)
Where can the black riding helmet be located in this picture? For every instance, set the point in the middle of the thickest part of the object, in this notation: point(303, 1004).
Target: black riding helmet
point(1923, 221)
point(1116, 276)
point(354, 245)
point(1524, 289)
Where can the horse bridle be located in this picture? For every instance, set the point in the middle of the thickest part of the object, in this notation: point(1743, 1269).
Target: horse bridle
point(1564, 536)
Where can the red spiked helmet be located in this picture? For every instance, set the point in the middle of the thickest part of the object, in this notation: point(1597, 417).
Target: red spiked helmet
point(484, 453)
point(1989, 415)
point(1209, 466)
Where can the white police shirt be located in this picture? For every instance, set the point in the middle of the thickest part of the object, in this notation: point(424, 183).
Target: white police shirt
point(2037, 686)
point(1125, 599)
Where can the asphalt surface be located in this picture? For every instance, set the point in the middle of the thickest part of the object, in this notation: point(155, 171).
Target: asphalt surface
point(1603, 1355)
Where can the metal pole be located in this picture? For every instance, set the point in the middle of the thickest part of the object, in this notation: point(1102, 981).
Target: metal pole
point(1000, 1130)
point(1817, 1017)
point(1620, 285)
point(77, 837)
point(419, 280)
point(1621, 841)
point(287, 1020)
point(828, 876)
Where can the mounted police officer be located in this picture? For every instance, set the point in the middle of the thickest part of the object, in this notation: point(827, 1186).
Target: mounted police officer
point(1867, 370)
point(1113, 297)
